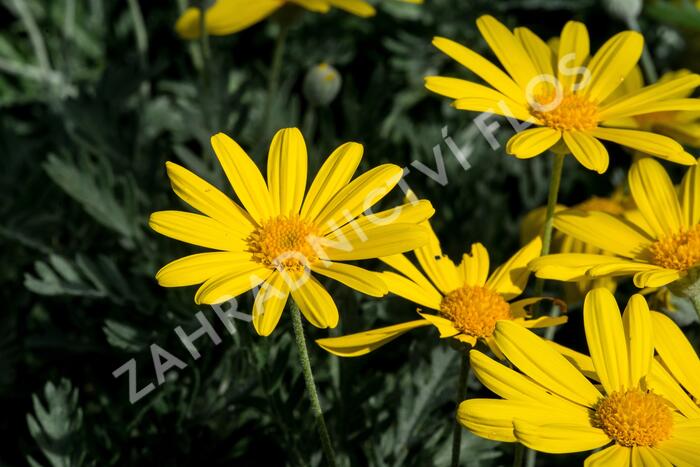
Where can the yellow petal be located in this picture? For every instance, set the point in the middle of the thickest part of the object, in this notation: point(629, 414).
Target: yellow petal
point(333, 176)
point(428, 256)
point(532, 142)
point(666, 386)
point(482, 68)
point(543, 364)
point(224, 287)
point(645, 456)
point(498, 106)
point(511, 277)
point(493, 419)
point(574, 47)
point(690, 196)
point(581, 362)
point(511, 385)
point(649, 143)
point(286, 171)
point(373, 242)
point(208, 200)
point(475, 266)
point(658, 277)
point(637, 324)
point(606, 339)
point(315, 302)
point(607, 232)
point(403, 287)
point(612, 63)
point(577, 266)
point(655, 196)
point(587, 150)
point(635, 103)
point(225, 17)
point(269, 304)
point(410, 213)
point(613, 455)
point(680, 452)
point(317, 6)
point(544, 322)
point(508, 50)
point(458, 89)
point(559, 438)
point(355, 7)
point(405, 267)
point(358, 196)
point(195, 269)
point(445, 326)
point(539, 52)
point(677, 353)
point(362, 343)
point(196, 230)
point(362, 280)
point(244, 176)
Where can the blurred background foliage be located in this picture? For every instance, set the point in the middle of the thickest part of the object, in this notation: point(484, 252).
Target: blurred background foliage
point(96, 95)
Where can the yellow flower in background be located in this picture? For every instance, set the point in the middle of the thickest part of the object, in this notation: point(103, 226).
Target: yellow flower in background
point(282, 232)
point(552, 407)
point(565, 95)
point(617, 205)
point(658, 249)
point(230, 16)
point(680, 360)
point(466, 302)
point(683, 126)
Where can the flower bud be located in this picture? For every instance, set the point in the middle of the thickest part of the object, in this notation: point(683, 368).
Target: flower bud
point(322, 84)
point(623, 10)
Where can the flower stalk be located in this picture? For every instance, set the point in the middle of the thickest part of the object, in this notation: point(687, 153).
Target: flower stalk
point(554, 184)
point(461, 395)
point(311, 385)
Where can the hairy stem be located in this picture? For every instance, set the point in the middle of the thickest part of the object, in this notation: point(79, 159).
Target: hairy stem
point(311, 385)
point(461, 394)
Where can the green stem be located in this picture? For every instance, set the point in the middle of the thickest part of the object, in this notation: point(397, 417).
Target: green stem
point(311, 385)
point(647, 61)
point(519, 455)
point(205, 53)
point(554, 184)
point(275, 68)
point(203, 35)
point(461, 394)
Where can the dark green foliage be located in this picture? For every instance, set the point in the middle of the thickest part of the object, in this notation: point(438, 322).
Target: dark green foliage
point(96, 96)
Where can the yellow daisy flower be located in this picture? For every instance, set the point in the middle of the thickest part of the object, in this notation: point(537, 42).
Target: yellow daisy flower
point(466, 301)
point(659, 248)
point(616, 205)
point(226, 17)
point(565, 95)
point(282, 232)
point(552, 407)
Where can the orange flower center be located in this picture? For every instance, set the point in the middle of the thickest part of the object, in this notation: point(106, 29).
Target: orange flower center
point(679, 251)
point(474, 310)
point(572, 112)
point(285, 242)
point(634, 418)
point(596, 203)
